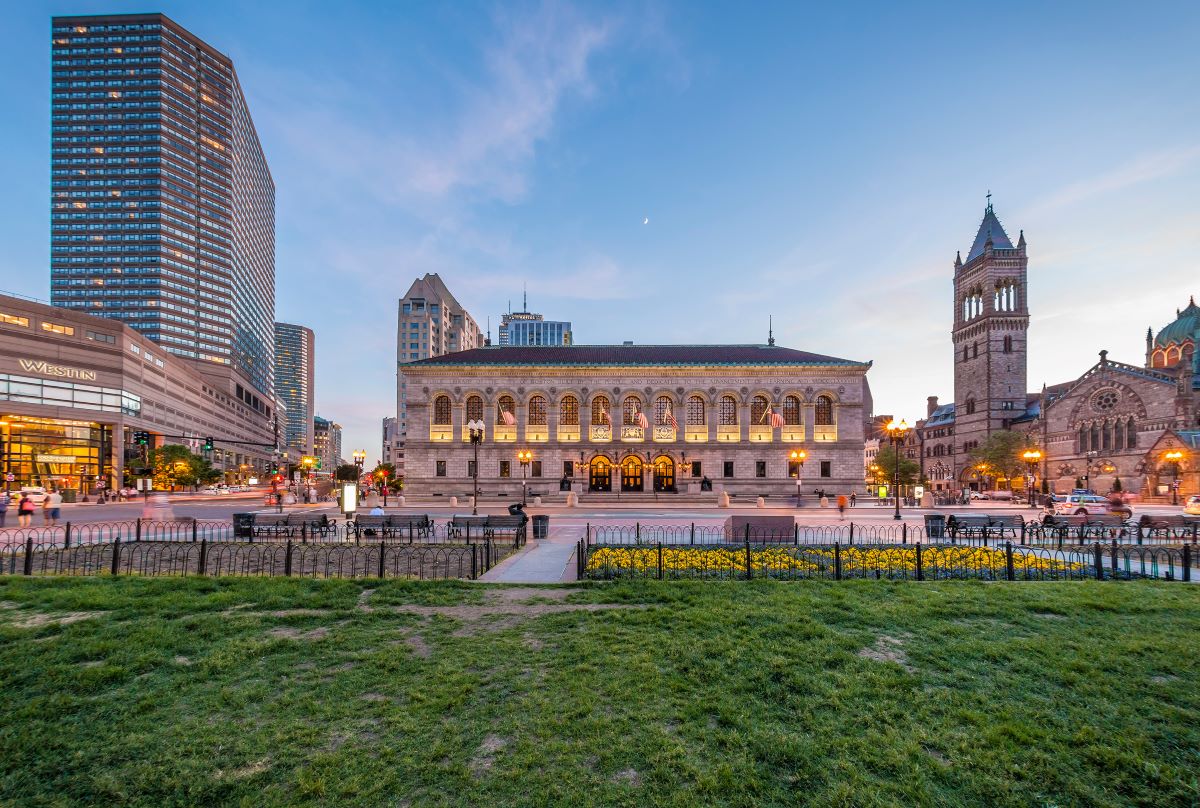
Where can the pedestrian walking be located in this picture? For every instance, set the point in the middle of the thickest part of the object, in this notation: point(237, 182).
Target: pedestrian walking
point(53, 506)
point(25, 511)
point(841, 503)
point(4, 502)
point(853, 500)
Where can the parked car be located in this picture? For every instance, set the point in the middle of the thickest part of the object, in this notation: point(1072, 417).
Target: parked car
point(1091, 504)
point(36, 492)
point(977, 495)
point(1192, 505)
point(998, 495)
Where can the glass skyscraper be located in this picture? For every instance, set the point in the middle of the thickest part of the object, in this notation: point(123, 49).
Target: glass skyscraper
point(163, 208)
point(294, 348)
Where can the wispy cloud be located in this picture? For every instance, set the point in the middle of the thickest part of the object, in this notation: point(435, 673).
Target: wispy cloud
point(1144, 168)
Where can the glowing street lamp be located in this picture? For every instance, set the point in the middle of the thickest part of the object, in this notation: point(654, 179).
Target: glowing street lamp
point(896, 433)
point(1032, 457)
point(475, 429)
point(1174, 457)
point(796, 462)
point(523, 457)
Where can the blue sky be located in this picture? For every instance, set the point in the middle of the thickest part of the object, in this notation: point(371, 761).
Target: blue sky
point(819, 163)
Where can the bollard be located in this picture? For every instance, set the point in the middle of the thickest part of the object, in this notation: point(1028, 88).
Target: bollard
point(116, 556)
point(287, 559)
point(67, 537)
point(27, 569)
point(920, 569)
point(1099, 559)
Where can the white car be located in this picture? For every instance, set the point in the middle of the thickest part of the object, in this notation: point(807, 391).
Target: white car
point(1192, 505)
point(36, 492)
point(1077, 504)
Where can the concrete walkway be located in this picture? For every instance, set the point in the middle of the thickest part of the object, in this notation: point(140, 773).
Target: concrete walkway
point(540, 562)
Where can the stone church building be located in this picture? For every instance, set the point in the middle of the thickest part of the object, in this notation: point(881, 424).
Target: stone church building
point(1116, 421)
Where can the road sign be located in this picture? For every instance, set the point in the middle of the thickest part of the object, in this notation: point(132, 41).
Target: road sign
point(10, 477)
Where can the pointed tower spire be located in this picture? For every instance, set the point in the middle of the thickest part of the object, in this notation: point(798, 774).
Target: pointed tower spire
point(990, 232)
point(1021, 241)
point(957, 259)
point(770, 329)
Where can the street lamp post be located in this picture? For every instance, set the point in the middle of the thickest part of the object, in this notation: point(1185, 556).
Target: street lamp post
point(475, 429)
point(524, 456)
point(1032, 458)
point(797, 456)
point(1173, 457)
point(1087, 470)
point(896, 432)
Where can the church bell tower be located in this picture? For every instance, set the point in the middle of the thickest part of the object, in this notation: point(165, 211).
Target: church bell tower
point(991, 324)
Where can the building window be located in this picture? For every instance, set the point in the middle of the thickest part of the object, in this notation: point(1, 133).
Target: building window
point(12, 319)
point(1008, 344)
point(55, 328)
point(728, 412)
point(1083, 439)
point(826, 468)
point(791, 410)
point(695, 464)
point(965, 355)
point(506, 405)
point(568, 411)
point(758, 410)
point(630, 409)
point(974, 350)
point(535, 468)
point(471, 469)
point(794, 469)
point(568, 468)
point(537, 411)
point(760, 468)
point(474, 408)
point(505, 468)
point(1131, 435)
point(824, 411)
point(727, 469)
point(441, 468)
point(600, 408)
point(695, 411)
point(970, 406)
point(662, 407)
point(441, 411)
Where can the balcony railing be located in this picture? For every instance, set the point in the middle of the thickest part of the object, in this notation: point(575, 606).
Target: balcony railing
point(568, 433)
point(441, 433)
point(600, 433)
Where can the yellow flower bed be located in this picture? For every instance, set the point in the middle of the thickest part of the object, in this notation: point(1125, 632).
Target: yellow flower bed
point(899, 561)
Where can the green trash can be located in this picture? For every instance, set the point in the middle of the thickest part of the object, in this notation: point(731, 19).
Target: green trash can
point(68, 494)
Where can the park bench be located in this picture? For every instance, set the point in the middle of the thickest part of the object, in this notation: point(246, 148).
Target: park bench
point(1175, 525)
point(985, 526)
point(1084, 526)
point(271, 526)
point(485, 526)
point(390, 526)
point(306, 525)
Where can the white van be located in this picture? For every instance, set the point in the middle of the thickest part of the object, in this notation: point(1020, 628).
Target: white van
point(1078, 504)
point(36, 492)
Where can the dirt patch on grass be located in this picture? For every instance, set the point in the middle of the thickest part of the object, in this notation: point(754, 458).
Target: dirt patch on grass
point(502, 613)
point(1163, 680)
point(258, 767)
point(628, 776)
point(485, 755)
point(374, 697)
point(1050, 616)
point(39, 619)
point(889, 649)
point(182, 660)
point(533, 643)
point(526, 594)
point(363, 605)
point(91, 663)
point(289, 633)
point(937, 756)
point(417, 644)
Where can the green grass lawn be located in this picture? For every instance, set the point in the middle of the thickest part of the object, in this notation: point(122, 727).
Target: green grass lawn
point(282, 692)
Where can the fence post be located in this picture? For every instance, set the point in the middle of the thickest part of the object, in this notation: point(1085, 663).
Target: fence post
point(587, 533)
point(1008, 561)
point(410, 532)
point(137, 536)
point(382, 547)
point(637, 532)
point(837, 561)
point(67, 537)
point(1187, 563)
point(27, 569)
point(474, 571)
point(194, 531)
point(851, 534)
point(749, 573)
point(660, 564)
point(920, 569)
point(692, 540)
point(468, 532)
point(985, 535)
point(116, 559)
point(1022, 532)
point(1114, 559)
point(487, 552)
point(287, 559)
point(796, 534)
point(1099, 557)
point(203, 564)
point(304, 534)
point(904, 532)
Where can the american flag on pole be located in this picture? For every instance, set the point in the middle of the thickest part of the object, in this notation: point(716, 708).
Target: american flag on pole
point(776, 420)
point(507, 417)
point(671, 422)
point(604, 417)
point(641, 420)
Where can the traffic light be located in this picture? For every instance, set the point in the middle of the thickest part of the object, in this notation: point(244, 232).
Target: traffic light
point(141, 438)
point(274, 468)
point(208, 444)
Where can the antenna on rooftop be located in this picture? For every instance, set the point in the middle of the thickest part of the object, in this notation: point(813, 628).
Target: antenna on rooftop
point(524, 298)
point(770, 329)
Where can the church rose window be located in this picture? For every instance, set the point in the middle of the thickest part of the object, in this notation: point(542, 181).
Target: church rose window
point(1105, 400)
point(441, 410)
point(537, 411)
point(568, 411)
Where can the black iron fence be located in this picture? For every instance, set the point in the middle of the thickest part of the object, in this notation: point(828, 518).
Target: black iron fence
point(917, 561)
point(287, 558)
point(304, 532)
point(1022, 534)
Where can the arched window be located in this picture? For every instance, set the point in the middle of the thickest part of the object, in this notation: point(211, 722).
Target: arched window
point(695, 411)
point(568, 411)
point(537, 411)
point(1159, 360)
point(1172, 355)
point(970, 406)
point(662, 406)
point(474, 408)
point(600, 411)
point(630, 409)
point(758, 410)
point(441, 410)
point(791, 410)
point(1118, 436)
point(1094, 438)
point(1131, 435)
point(1106, 437)
point(728, 412)
point(824, 411)
point(503, 406)
point(1008, 344)
point(1083, 442)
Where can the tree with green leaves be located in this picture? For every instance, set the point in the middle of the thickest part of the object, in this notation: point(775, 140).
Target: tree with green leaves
point(176, 465)
point(1002, 454)
point(886, 460)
